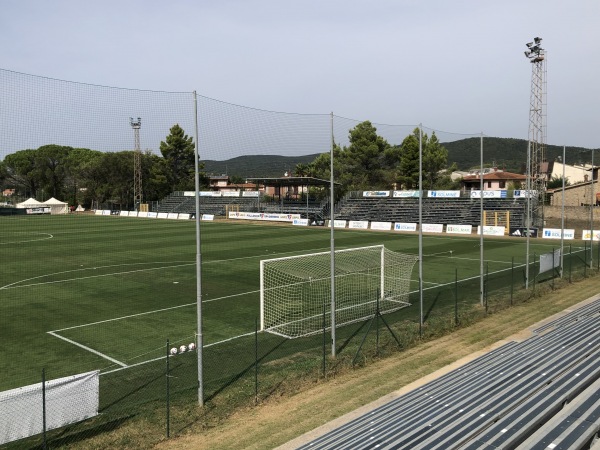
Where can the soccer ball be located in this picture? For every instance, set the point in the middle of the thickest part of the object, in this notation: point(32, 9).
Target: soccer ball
point(173, 351)
point(182, 349)
point(192, 346)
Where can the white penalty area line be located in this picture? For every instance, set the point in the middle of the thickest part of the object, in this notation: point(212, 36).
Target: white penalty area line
point(163, 357)
point(89, 349)
point(152, 312)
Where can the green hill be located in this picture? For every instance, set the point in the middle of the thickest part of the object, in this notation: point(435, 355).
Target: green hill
point(505, 153)
point(257, 165)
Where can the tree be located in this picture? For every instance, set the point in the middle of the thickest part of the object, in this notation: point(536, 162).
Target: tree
point(435, 159)
point(408, 169)
point(364, 159)
point(20, 171)
point(80, 162)
point(557, 182)
point(52, 165)
point(111, 179)
point(302, 170)
point(178, 151)
point(236, 179)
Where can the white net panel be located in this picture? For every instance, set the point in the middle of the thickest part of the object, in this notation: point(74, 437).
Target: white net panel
point(296, 291)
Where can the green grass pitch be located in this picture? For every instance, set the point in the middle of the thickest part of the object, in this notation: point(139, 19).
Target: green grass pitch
point(80, 293)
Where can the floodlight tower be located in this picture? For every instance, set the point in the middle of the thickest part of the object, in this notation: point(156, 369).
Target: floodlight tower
point(137, 163)
point(537, 169)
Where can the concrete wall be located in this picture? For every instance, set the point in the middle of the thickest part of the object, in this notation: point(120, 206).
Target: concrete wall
point(571, 212)
point(575, 195)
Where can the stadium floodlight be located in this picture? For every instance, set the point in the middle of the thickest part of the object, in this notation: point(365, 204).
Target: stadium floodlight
point(529, 44)
point(295, 291)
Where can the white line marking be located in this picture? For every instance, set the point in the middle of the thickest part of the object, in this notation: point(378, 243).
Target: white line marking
point(48, 236)
point(152, 312)
point(133, 365)
point(163, 357)
point(96, 352)
point(11, 286)
point(179, 264)
point(229, 339)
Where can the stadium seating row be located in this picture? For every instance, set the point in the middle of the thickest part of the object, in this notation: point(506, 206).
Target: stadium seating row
point(447, 211)
point(510, 398)
point(456, 211)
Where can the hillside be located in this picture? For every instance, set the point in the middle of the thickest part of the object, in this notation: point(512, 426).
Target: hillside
point(257, 165)
point(505, 153)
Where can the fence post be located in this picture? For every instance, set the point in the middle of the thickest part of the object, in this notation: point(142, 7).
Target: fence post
point(512, 279)
point(168, 393)
point(534, 276)
point(45, 443)
point(553, 269)
point(456, 296)
point(585, 263)
point(485, 291)
point(570, 262)
point(255, 361)
point(324, 339)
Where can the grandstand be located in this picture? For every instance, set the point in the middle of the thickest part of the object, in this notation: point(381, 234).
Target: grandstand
point(459, 211)
point(177, 202)
point(543, 392)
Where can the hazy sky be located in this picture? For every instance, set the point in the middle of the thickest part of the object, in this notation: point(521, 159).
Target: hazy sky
point(454, 65)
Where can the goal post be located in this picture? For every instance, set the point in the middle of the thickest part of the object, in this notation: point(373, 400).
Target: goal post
point(295, 291)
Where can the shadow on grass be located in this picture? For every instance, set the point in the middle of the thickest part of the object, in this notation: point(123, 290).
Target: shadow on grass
point(240, 374)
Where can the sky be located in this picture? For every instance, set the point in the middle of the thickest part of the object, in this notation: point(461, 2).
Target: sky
point(456, 66)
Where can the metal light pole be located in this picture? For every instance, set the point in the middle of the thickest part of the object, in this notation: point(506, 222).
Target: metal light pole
point(562, 218)
point(537, 122)
point(199, 335)
point(528, 214)
point(137, 163)
point(420, 229)
point(592, 203)
point(332, 242)
point(481, 221)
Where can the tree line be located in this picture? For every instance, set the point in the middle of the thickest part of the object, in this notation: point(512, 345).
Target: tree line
point(84, 176)
point(370, 162)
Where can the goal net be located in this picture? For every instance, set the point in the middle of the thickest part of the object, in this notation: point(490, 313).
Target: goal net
point(295, 291)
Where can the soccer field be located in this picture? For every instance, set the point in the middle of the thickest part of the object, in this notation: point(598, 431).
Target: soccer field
point(80, 293)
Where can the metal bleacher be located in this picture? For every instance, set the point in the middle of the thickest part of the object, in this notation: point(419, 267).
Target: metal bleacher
point(459, 211)
point(176, 202)
point(513, 397)
point(590, 310)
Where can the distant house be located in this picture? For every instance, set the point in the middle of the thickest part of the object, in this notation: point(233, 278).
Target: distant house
point(8, 192)
point(583, 193)
point(577, 173)
point(218, 181)
point(221, 183)
point(493, 180)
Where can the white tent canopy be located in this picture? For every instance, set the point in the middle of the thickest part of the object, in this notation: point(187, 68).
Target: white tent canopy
point(30, 203)
point(56, 206)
